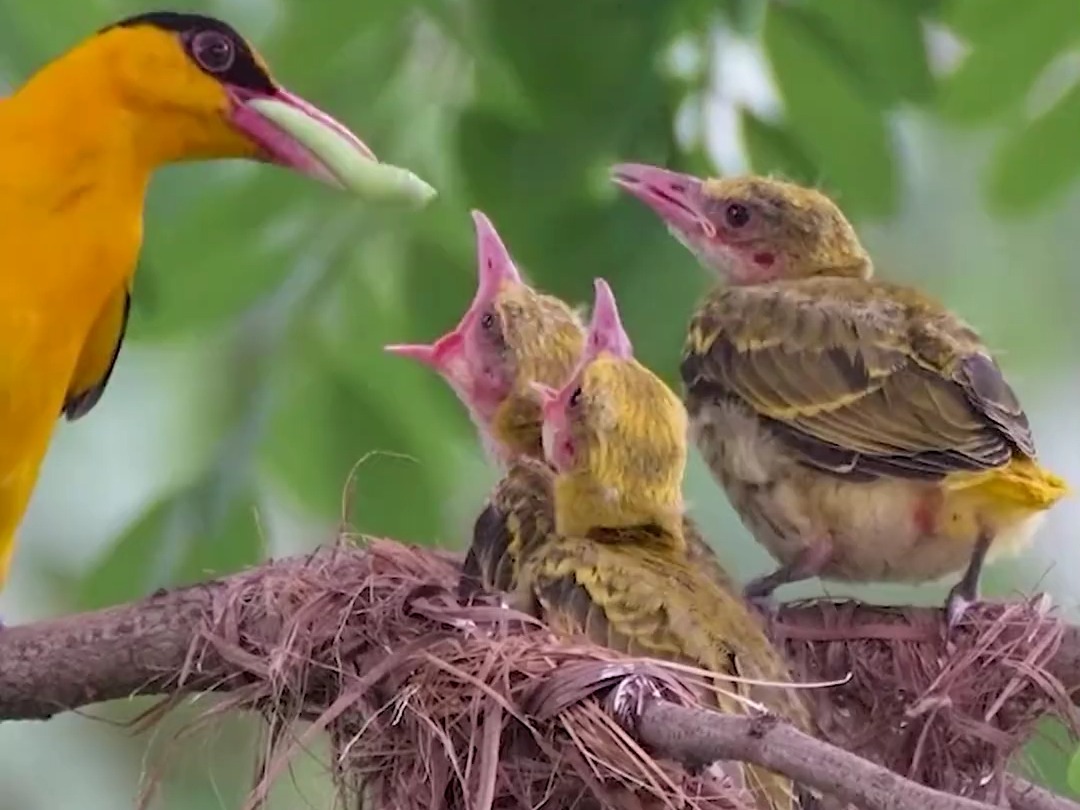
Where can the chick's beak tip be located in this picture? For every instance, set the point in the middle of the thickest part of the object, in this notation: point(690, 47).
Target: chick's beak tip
point(421, 352)
point(495, 265)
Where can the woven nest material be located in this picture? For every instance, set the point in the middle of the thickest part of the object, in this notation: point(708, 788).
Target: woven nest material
point(950, 714)
point(432, 704)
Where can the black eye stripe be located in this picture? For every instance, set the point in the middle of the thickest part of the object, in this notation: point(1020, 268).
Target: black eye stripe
point(245, 72)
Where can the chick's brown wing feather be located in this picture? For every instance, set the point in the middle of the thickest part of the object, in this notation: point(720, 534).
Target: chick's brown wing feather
point(631, 594)
point(861, 379)
point(518, 514)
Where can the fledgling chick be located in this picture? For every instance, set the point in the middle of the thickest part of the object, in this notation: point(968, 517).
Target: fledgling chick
point(511, 336)
point(617, 568)
point(862, 430)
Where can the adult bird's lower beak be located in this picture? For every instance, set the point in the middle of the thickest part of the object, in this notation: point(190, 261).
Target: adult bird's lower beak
point(295, 134)
point(675, 196)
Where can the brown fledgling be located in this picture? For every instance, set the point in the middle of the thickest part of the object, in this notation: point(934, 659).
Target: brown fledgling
point(617, 567)
point(511, 337)
point(862, 430)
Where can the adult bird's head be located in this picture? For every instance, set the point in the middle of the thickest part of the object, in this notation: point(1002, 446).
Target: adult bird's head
point(750, 229)
point(167, 86)
point(510, 336)
point(615, 433)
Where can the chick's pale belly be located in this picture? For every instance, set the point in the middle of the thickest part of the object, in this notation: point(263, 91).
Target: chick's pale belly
point(886, 530)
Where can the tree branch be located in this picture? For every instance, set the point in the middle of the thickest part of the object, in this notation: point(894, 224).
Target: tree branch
point(146, 648)
point(698, 735)
point(141, 648)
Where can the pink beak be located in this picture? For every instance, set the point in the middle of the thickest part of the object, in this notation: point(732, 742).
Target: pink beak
point(606, 332)
point(281, 146)
point(548, 396)
point(433, 355)
point(675, 197)
point(495, 268)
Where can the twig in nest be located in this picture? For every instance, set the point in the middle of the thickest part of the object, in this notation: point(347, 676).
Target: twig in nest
point(948, 714)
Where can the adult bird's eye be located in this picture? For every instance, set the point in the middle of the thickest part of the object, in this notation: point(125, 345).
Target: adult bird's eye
point(575, 397)
point(487, 321)
point(736, 215)
point(213, 51)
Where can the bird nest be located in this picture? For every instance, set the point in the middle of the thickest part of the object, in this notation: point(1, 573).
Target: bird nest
point(950, 713)
point(429, 703)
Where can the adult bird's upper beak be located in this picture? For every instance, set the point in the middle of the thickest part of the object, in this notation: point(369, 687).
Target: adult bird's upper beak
point(269, 119)
point(676, 197)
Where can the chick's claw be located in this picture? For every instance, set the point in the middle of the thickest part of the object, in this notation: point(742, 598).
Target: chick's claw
point(627, 700)
point(955, 608)
point(966, 592)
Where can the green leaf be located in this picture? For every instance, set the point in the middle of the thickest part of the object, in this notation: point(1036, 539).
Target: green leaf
point(201, 531)
point(773, 149)
point(329, 426)
point(839, 125)
point(882, 42)
point(1007, 59)
point(40, 38)
point(975, 20)
point(365, 39)
point(1073, 773)
point(1040, 161)
point(506, 165)
point(195, 288)
point(606, 51)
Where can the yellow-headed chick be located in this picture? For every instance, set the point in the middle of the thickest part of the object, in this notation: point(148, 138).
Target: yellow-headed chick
point(511, 336)
point(862, 430)
point(617, 567)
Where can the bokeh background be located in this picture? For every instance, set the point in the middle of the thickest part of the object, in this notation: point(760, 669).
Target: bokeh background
point(253, 378)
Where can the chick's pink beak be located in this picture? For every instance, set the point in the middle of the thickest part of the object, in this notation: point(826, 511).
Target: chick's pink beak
point(438, 355)
point(674, 196)
point(554, 431)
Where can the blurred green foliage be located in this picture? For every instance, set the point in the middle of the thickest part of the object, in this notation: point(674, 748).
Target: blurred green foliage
point(283, 292)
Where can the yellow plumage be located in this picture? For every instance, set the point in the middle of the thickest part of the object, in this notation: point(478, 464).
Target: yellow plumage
point(617, 567)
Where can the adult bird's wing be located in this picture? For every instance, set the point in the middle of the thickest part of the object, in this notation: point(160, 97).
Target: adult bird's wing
point(98, 357)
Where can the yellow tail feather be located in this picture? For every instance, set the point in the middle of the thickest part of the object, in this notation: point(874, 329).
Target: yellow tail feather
point(1021, 483)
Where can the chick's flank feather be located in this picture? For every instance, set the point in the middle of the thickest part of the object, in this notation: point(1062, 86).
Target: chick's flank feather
point(617, 568)
point(862, 430)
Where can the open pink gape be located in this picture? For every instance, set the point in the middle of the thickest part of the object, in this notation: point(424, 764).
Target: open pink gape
point(495, 269)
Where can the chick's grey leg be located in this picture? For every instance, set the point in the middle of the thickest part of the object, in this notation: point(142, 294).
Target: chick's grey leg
point(808, 563)
point(966, 591)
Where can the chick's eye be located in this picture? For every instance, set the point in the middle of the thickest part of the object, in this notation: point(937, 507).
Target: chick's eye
point(487, 322)
point(213, 51)
point(575, 397)
point(736, 215)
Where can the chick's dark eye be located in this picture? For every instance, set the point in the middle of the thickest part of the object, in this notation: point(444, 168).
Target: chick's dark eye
point(487, 322)
point(213, 51)
point(736, 215)
point(575, 397)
